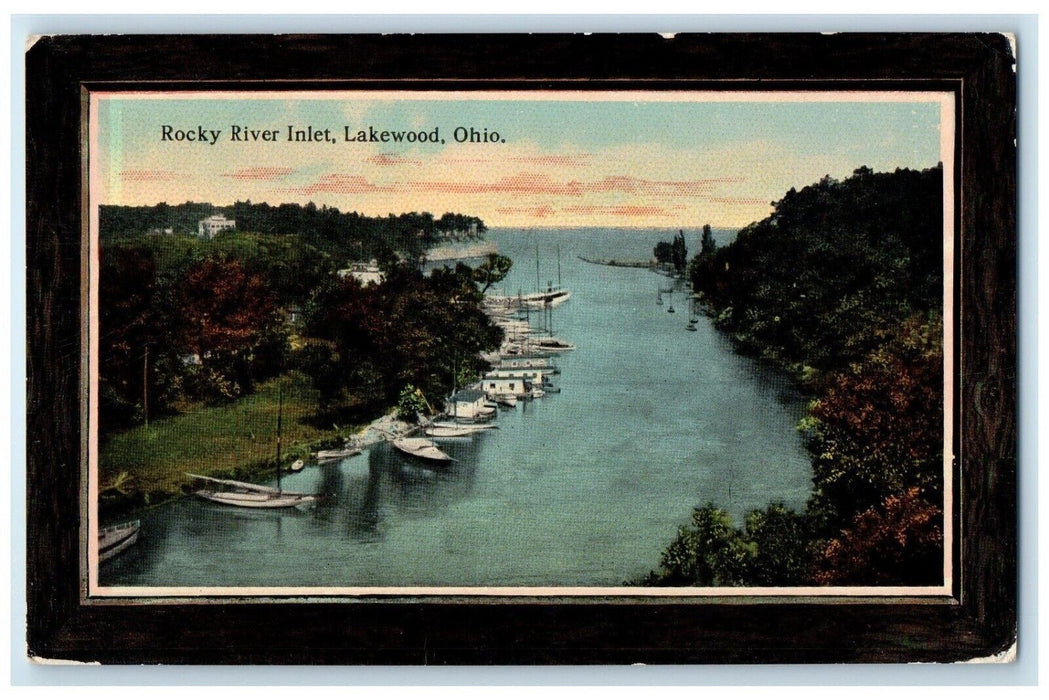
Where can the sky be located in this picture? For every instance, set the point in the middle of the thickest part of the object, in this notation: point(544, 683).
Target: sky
point(541, 159)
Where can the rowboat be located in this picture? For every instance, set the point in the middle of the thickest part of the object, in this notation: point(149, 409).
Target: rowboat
point(330, 455)
point(114, 540)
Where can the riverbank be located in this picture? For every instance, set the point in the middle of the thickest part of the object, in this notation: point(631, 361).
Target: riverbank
point(461, 251)
point(643, 264)
point(146, 466)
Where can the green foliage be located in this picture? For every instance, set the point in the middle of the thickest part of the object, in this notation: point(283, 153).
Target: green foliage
point(319, 233)
point(674, 252)
point(835, 266)
point(411, 329)
point(898, 542)
point(493, 270)
point(411, 402)
point(771, 549)
point(185, 318)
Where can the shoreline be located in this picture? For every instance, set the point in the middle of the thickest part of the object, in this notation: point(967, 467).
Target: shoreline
point(641, 264)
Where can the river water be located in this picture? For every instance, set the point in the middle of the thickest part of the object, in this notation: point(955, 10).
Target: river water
point(581, 488)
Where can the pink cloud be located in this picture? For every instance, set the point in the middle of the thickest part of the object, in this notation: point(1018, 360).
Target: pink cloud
point(520, 184)
point(541, 211)
point(565, 160)
point(389, 159)
point(530, 183)
point(259, 172)
point(341, 183)
point(148, 175)
point(624, 210)
point(738, 200)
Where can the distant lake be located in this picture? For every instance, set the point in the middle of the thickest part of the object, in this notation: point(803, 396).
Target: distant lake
point(581, 488)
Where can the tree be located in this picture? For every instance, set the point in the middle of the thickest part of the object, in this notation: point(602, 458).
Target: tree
point(772, 549)
point(663, 252)
point(898, 542)
point(877, 431)
point(411, 329)
point(137, 362)
point(782, 540)
point(679, 253)
point(493, 270)
point(229, 323)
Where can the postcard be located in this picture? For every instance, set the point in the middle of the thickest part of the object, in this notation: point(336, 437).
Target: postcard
point(487, 363)
point(521, 343)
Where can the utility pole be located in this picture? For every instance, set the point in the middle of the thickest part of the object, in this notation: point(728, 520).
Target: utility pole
point(145, 385)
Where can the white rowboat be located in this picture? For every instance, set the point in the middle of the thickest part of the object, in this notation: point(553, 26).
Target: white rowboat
point(114, 540)
point(328, 455)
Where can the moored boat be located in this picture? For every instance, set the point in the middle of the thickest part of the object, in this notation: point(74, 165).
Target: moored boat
point(245, 495)
point(553, 344)
point(421, 448)
point(330, 455)
point(117, 538)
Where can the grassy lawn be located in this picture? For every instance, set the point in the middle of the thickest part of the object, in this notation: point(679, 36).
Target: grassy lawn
point(144, 466)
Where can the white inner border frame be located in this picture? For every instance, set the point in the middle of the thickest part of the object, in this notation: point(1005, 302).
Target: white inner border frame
point(93, 592)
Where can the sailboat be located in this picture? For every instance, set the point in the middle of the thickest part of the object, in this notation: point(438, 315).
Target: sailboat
point(421, 448)
point(671, 309)
point(553, 296)
point(245, 495)
point(114, 540)
point(691, 326)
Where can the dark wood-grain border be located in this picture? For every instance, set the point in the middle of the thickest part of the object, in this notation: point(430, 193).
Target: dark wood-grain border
point(979, 619)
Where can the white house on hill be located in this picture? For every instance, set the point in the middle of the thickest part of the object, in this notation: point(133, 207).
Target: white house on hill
point(207, 228)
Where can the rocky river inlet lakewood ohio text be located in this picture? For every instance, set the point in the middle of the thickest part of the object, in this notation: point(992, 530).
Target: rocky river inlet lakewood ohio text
point(292, 133)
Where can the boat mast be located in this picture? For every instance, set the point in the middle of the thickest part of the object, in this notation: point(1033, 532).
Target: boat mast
point(537, 288)
point(558, 265)
point(280, 413)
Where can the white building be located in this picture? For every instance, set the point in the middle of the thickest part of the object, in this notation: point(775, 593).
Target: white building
point(532, 374)
point(466, 403)
point(365, 273)
point(499, 386)
point(207, 228)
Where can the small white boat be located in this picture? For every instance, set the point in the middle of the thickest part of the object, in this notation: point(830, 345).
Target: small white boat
point(552, 344)
point(245, 495)
point(450, 427)
point(421, 448)
point(537, 300)
point(298, 465)
point(116, 539)
point(508, 400)
point(330, 455)
point(445, 431)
